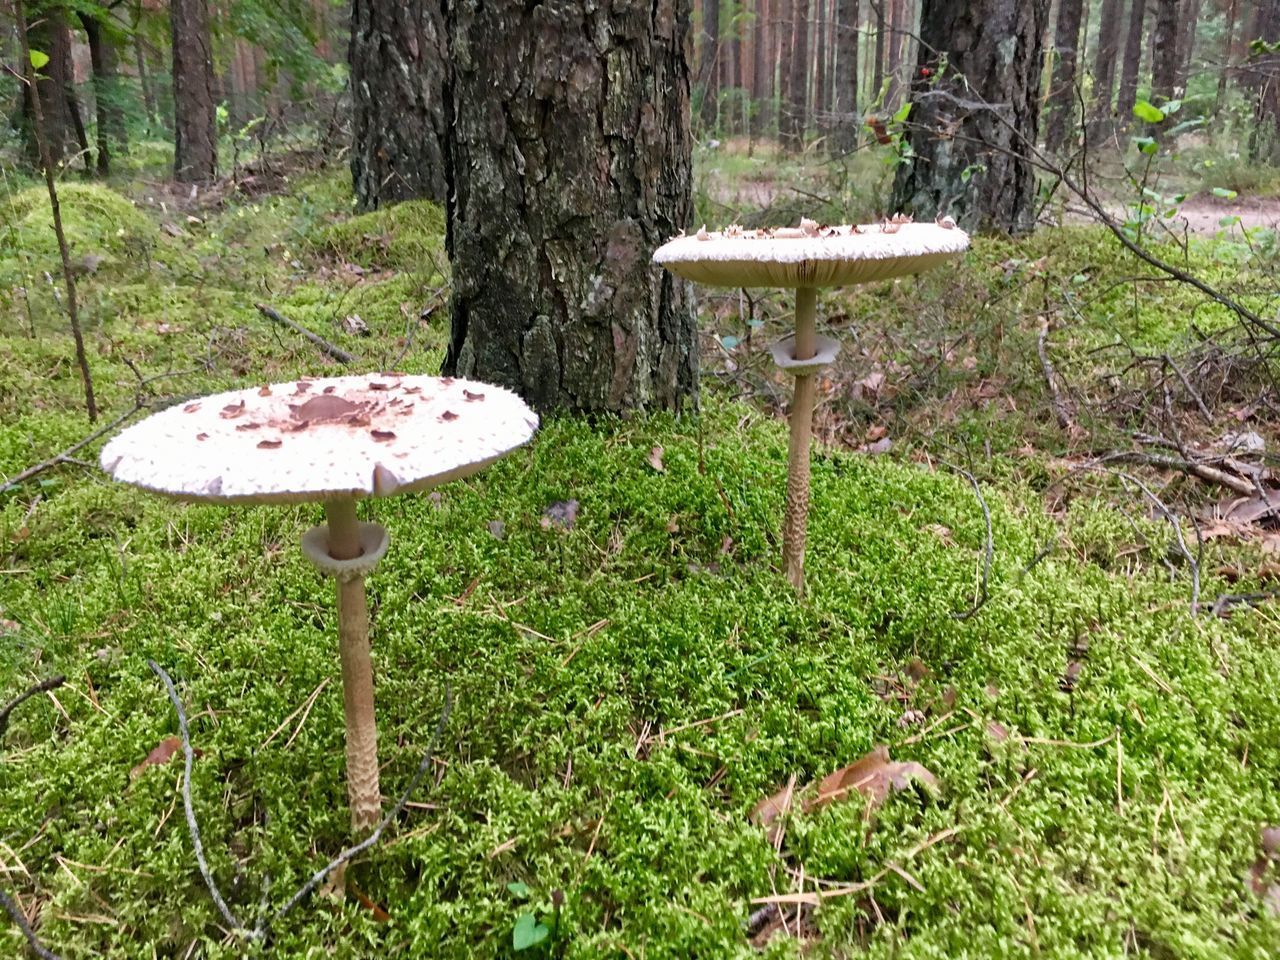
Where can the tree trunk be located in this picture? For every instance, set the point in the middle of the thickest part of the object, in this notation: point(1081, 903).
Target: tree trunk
point(1132, 64)
point(112, 135)
point(1190, 20)
point(893, 54)
point(399, 62)
point(709, 66)
point(845, 102)
point(195, 155)
point(784, 38)
point(1165, 63)
point(796, 115)
point(761, 66)
point(1062, 92)
point(877, 78)
point(144, 81)
point(972, 123)
point(1264, 80)
point(48, 34)
point(1104, 65)
point(569, 162)
point(1229, 48)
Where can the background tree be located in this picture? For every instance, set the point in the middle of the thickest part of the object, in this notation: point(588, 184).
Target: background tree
point(845, 99)
point(195, 155)
point(398, 67)
point(796, 114)
point(103, 36)
point(50, 37)
point(1104, 64)
point(1166, 66)
point(1263, 81)
point(1132, 62)
point(973, 118)
point(1062, 90)
point(709, 64)
point(569, 158)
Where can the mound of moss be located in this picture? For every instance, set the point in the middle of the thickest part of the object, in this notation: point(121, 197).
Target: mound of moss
point(98, 223)
point(406, 236)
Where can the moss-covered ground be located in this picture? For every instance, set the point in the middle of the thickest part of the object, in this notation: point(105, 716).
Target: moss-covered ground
point(628, 687)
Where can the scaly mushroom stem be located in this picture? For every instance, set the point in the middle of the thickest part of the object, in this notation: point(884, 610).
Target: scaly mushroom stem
point(794, 526)
point(357, 670)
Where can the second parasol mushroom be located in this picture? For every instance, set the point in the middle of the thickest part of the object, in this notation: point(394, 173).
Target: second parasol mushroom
point(335, 441)
point(806, 258)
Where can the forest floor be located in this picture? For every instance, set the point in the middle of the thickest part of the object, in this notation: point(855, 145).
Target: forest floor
point(1074, 680)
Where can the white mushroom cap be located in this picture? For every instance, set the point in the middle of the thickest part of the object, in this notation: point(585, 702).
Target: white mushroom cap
point(825, 257)
point(314, 439)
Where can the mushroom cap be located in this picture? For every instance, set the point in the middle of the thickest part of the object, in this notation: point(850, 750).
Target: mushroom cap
point(321, 439)
point(835, 257)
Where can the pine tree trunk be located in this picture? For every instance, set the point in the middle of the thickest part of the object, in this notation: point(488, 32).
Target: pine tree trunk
point(761, 71)
point(820, 77)
point(1165, 63)
point(969, 163)
point(1132, 64)
point(48, 33)
point(796, 115)
point(195, 155)
point(877, 78)
point(399, 62)
point(144, 81)
point(1062, 92)
point(1264, 80)
point(112, 135)
point(569, 162)
point(893, 54)
point(1229, 49)
point(784, 38)
point(1104, 65)
point(1190, 19)
point(845, 102)
point(709, 66)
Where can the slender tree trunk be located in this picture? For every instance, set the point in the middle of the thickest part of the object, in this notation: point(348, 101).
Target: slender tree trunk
point(1104, 65)
point(1164, 50)
point(1062, 92)
point(761, 71)
point(709, 66)
point(49, 34)
point(893, 53)
point(144, 81)
point(1229, 49)
point(820, 76)
point(568, 158)
point(845, 104)
point(399, 61)
point(111, 133)
point(1132, 63)
point(195, 156)
point(877, 78)
point(784, 38)
point(796, 115)
point(734, 67)
point(1264, 80)
point(35, 97)
point(970, 160)
point(1190, 20)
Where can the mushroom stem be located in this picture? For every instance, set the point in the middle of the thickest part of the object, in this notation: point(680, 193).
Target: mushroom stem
point(797, 516)
point(357, 670)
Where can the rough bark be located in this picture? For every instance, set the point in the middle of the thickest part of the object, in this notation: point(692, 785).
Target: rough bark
point(195, 154)
point(845, 100)
point(1104, 64)
point(761, 71)
point(568, 156)
point(709, 65)
point(796, 115)
point(1165, 62)
point(1132, 62)
point(399, 62)
point(111, 133)
point(48, 33)
point(1062, 90)
point(971, 129)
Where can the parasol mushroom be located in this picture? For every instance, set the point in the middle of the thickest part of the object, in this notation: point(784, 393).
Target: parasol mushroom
point(334, 441)
point(806, 258)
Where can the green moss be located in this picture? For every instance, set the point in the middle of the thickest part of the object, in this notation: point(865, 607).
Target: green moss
point(405, 236)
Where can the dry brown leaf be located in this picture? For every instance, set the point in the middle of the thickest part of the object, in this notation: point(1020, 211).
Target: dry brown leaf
point(379, 915)
point(997, 731)
point(875, 776)
point(164, 751)
point(875, 432)
point(655, 460)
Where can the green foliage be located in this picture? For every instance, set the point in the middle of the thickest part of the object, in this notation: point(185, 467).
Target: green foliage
point(404, 236)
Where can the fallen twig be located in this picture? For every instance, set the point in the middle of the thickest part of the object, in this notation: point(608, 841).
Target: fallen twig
point(1202, 470)
point(261, 930)
point(325, 346)
point(20, 918)
point(1055, 396)
point(65, 455)
point(42, 687)
point(1226, 601)
point(988, 550)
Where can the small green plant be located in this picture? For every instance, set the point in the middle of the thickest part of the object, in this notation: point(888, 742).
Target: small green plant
point(529, 932)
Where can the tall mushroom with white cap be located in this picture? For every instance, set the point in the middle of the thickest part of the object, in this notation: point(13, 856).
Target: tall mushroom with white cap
point(806, 258)
point(334, 441)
